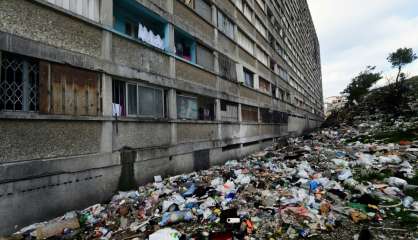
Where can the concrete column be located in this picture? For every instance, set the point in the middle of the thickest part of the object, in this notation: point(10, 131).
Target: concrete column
point(106, 140)
point(240, 72)
point(170, 5)
point(172, 104)
point(239, 113)
point(218, 109)
point(256, 81)
point(107, 95)
point(169, 38)
point(214, 16)
point(172, 115)
point(106, 13)
point(259, 115)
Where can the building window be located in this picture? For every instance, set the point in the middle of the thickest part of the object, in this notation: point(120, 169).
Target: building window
point(138, 100)
point(191, 107)
point(248, 12)
point(134, 20)
point(229, 111)
point(249, 113)
point(239, 5)
point(118, 98)
point(274, 91)
point(225, 25)
point(260, 27)
point(204, 57)
point(261, 56)
point(189, 3)
point(248, 78)
point(204, 9)
point(89, 9)
point(264, 85)
point(245, 42)
point(262, 4)
point(266, 115)
point(227, 68)
point(185, 46)
point(19, 83)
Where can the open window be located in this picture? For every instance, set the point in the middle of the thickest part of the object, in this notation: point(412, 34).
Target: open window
point(229, 111)
point(193, 107)
point(185, 45)
point(133, 19)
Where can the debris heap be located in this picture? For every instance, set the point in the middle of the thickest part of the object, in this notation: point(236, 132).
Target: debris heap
point(320, 186)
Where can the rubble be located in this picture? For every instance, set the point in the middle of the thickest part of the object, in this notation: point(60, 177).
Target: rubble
point(324, 186)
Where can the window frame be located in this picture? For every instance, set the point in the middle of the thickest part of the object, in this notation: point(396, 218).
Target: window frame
point(250, 73)
point(138, 85)
point(197, 106)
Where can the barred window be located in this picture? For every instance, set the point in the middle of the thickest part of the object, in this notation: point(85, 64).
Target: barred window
point(227, 68)
point(19, 83)
point(229, 111)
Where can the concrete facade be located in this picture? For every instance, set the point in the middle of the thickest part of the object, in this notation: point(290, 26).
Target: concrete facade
point(53, 160)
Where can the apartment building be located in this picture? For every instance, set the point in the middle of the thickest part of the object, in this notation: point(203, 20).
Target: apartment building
point(99, 95)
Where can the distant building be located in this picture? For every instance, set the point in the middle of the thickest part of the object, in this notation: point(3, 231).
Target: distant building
point(334, 103)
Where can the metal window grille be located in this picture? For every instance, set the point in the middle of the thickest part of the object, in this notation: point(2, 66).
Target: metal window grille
point(227, 68)
point(19, 84)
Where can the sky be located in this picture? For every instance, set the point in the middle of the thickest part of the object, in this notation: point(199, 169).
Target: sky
point(354, 34)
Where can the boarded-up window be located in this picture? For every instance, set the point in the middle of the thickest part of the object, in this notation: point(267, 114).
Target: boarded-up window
point(204, 57)
point(225, 25)
point(72, 91)
point(229, 111)
point(264, 85)
point(249, 114)
point(227, 68)
point(86, 8)
point(204, 9)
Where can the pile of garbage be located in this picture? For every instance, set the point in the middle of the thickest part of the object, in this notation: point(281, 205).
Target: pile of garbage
point(313, 187)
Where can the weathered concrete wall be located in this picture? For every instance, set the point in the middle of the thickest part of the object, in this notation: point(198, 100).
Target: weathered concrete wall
point(140, 135)
point(40, 24)
point(130, 53)
point(27, 139)
point(33, 200)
